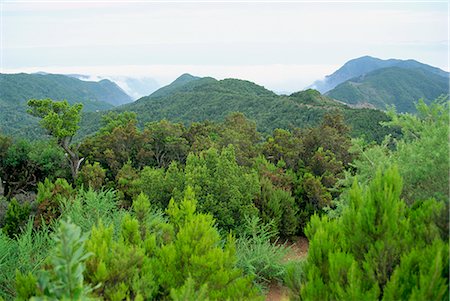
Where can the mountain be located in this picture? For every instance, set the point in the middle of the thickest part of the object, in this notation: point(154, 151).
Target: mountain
point(401, 87)
point(176, 85)
point(364, 65)
point(190, 99)
point(102, 95)
point(136, 87)
point(17, 89)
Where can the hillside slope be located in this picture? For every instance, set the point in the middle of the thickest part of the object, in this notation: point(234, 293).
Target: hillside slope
point(366, 64)
point(209, 99)
point(17, 89)
point(392, 86)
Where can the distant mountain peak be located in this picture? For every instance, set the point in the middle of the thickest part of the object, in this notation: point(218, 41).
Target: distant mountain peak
point(365, 64)
point(186, 77)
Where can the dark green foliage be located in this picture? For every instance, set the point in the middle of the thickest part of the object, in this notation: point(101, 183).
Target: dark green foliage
point(161, 185)
point(16, 217)
point(278, 207)
point(222, 188)
point(209, 99)
point(17, 89)
point(369, 252)
point(92, 175)
point(168, 143)
point(392, 86)
point(49, 197)
point(23, 164)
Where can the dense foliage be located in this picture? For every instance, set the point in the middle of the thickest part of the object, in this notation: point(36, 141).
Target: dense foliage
point(191, 99)
point(392, 86)
point(208, 211)
point(17, 89)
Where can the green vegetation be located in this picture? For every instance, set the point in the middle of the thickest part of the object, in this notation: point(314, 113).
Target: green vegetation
point(392, 86)
point(199, 99)
point(211, 210)
point(17, 89)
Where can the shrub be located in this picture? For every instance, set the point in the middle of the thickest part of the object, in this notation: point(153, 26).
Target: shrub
point(377, 249)
point(63, 279)
point(258, 255)
point(16, 217)
point(92, 175)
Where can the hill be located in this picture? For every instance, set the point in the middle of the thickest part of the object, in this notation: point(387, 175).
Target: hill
point(199, 99)
point(17, 89)
point(366, 64)
point(392, 86)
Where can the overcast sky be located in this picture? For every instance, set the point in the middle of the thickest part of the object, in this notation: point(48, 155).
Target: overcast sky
point(284, 46)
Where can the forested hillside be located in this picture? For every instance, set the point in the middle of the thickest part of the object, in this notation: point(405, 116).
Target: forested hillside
point(191, 99)
point(366, 64)
point(17, 89)
point(208, 211)
point(392, 86)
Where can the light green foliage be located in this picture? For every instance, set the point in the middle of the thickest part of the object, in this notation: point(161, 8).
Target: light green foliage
point(26, 253)
point(293, 277)
point(90, 206)
point(422, 156)
point(63, 280)
point(92, 175)
point(188, 292)
point(16, 217)
point(222, 188)
point(196, 253)
point(259, 253)
point(121, 265)
point(422, 275)
point(365, 254)
point(58, 117)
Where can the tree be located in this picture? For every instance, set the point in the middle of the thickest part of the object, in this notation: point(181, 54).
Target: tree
point(61, 121)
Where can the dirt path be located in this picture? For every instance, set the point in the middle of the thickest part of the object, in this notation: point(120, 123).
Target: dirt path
point(299, 249)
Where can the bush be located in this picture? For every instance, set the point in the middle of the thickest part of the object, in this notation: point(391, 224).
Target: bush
point(258, 255)
point(92, 175)
point(49, 197)
point(16, 217)
point(63, 279)
point(377, 249)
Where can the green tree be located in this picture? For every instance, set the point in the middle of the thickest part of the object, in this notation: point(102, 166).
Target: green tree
point(61, 121)
point(377, 249)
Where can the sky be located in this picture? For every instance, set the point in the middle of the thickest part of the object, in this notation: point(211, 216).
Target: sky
point(282, 45)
